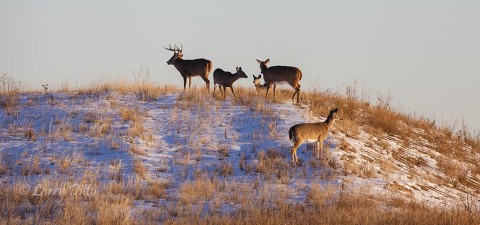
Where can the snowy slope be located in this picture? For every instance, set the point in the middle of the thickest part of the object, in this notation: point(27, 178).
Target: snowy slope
point(185, 136)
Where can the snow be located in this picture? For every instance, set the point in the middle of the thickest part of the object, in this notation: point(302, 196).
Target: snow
point(189, 137)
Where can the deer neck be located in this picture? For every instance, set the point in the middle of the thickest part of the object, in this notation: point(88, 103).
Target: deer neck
point(329, 121)
point(178, 63)
point(236, 76)
point(263, 68)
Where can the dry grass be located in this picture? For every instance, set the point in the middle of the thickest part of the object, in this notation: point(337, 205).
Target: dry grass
point(139, 168)
point(222, 151)
point(215, 197)
point(136, 120)
point(272, 164)
point(30, 134)
point(100, 127)
point(9, 92)
point(327, 206)
point(199, 190)
point(3, 166)
point(33, 167)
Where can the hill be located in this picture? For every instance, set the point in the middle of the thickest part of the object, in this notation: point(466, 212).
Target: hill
point(119, 153)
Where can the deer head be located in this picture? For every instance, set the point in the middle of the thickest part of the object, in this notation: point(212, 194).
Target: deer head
point(177, 54)
point(241, 73)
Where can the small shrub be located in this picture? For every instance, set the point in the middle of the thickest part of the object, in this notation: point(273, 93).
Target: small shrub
point(222, 151)
point(30, 134)
point(9, 92)
point(199, 190)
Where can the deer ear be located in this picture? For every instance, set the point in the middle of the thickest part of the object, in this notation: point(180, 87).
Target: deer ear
point(267, 61)
point(237, 68)
point(259, 61)
point(259, 76)
point(240, 68)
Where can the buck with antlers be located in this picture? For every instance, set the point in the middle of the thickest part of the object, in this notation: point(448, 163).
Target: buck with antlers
point(190, 68)
point(281, 74)
point(225, 79)
point(311, 132)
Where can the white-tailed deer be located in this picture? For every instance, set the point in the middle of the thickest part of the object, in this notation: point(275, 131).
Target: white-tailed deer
point(225, 79)
point(280, 74)
point(311, 132)
point(256, 82)
point(190, 68)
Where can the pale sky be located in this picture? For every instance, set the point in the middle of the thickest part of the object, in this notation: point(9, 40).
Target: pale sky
point(426, 54)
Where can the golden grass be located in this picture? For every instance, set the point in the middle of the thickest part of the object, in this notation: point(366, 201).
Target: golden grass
point(9, 91)
point(201, 200)
point(201, 189)
point(139, 168)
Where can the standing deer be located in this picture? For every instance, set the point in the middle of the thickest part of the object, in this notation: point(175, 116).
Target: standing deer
point(281, 74)
point(256, 82)
point(190, 68)
point(225, 79)
point(311, 132)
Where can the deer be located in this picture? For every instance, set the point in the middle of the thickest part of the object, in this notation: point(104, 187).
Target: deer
point(256, 82)
point(189, 68)
point(311, 132)
point(225, 79)
point(280, 74)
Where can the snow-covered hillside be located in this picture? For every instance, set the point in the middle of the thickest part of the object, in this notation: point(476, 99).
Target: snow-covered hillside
point(179, 139)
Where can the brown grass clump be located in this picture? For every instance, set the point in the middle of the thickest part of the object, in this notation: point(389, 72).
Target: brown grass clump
point(30, 134)
point(100, 127)
point(9, 92)
point(139, 168)
point(225, 168)
point(3, 166)
point(65, 163)
point(33, 167)
point(201, 189)
point(136, 119)
point(222, 151)
point(272, 163)
point(157, 189)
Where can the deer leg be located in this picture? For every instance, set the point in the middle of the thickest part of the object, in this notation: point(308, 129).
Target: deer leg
point(224, 92)
point(266, 94)
point(298, 96)
point(184, 83)
point(320, 152)
point(207, 82)
point(215, 86)
point(231, 88)
point(294, 152)
point(274, 87)
point(189, 82)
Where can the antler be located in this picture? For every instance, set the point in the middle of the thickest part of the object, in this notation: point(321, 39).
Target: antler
point(171, 49)
point(179, 50)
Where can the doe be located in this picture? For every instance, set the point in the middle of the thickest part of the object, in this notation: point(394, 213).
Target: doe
point(311, 132)
point(225, 79)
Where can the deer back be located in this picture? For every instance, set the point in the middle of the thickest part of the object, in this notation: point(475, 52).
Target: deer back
point(193, 67)
point(279, 74)
point(309, 131)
